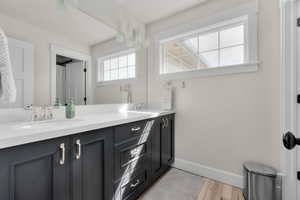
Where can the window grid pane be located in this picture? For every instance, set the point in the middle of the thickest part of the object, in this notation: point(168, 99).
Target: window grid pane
point(118, 67)
point(232, 36)
point(223, 47)
point(106, 75)
point(208, 42)
point(232, 55)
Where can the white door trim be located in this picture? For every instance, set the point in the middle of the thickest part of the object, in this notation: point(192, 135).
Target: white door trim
point(56, 50)
point(288, 90)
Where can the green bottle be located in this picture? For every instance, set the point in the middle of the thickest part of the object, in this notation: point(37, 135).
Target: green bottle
point(70, 109)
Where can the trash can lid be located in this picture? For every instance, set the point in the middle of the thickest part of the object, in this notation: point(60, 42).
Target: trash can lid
point(259, 168)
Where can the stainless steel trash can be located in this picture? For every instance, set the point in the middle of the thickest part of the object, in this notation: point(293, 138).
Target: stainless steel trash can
point(260, 182)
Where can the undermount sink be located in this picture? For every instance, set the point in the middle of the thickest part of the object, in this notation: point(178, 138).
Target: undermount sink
point(44, 124)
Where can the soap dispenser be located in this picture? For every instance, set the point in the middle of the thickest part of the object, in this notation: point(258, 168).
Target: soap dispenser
point(70, 109)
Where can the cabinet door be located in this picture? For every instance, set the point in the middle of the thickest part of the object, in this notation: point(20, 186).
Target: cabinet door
point(162, 141)
point(92, 165)
point(156, 147)
point(37, 171)
point(168, 140)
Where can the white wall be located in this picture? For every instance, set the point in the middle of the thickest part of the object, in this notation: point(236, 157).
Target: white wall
point(41, 39)
point(221, 121)
point(111, 93)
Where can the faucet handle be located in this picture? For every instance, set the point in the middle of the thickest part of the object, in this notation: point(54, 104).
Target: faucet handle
point(36, 113)
point(49, 112)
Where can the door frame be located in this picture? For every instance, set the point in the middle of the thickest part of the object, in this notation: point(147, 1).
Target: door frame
point(57, 50)
point(288, 94)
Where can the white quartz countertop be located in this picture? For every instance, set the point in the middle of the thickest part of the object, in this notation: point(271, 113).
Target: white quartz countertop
point(18, 133)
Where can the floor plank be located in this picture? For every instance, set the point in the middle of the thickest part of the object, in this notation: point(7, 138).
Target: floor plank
point(235, 194)
point(213, 190)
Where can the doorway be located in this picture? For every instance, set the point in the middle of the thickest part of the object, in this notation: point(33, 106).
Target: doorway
point(71, 77)
point(22, 60)
point(70, 80)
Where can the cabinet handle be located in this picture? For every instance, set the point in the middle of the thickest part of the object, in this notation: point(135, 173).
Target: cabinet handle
point(133, 185)
point(164, 123)
point(167, 122)
point(63, 154)
point(78, 152)
point(136, 129)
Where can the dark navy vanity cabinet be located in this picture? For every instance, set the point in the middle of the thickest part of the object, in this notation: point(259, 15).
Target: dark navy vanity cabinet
point(117, 163)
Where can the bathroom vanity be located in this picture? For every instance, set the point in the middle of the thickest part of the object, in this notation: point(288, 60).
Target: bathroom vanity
point(117, 162)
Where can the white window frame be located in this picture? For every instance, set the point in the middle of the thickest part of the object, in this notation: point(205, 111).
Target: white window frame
point(100, 68)
point(207, 30)
point(236, 15)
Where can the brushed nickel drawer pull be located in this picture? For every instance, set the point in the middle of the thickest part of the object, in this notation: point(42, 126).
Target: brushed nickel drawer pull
point(133, 185)
point(63, 154)
point(136, 129)
point(78, 153)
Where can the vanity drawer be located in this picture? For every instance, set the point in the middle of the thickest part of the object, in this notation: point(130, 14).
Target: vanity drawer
point(132, 153)
point(135, 129)
point(131, 167)
point(131, 187)
point(131, 156)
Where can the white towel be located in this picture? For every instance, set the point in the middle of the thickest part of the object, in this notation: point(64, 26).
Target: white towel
point(8, 91)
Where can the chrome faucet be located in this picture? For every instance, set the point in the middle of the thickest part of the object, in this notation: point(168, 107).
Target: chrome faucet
point(40, 113)
point(46, 113)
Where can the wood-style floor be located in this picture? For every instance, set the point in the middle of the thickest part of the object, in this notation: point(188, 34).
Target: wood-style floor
point(213, 190)
point(180, 185)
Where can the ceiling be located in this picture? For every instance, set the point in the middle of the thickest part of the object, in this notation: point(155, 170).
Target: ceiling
point(152, 10)
point(80, 27)
point(69, 22)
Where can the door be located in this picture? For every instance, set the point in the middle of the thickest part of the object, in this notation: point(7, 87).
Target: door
point(61, 84)
point(76, 82)
point(289, 88)
point(21, 55)
point(36, 171)
point(92, 155)
point(297, 133)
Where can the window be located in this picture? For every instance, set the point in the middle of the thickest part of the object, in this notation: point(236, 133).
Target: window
point(214, 46)
point(117, 67)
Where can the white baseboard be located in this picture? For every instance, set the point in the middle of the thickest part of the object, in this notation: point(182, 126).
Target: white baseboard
point(209, 172)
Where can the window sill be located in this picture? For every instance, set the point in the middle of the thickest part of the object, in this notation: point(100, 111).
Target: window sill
point(217, 71)
point(115, 82)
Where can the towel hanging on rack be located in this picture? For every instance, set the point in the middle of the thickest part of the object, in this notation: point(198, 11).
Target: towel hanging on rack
point(8, 91)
